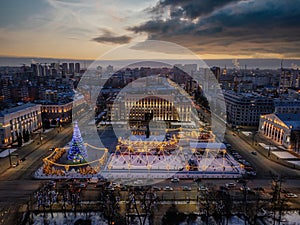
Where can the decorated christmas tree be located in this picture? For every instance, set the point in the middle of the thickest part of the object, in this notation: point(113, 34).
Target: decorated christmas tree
point(77, 152)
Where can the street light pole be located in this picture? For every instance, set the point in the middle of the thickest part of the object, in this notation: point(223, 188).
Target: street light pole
point(9, 156)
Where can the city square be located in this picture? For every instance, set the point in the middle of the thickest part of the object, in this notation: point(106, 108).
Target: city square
point(150, 112)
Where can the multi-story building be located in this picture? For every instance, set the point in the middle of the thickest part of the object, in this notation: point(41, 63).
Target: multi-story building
point(15, 121)
point(77, 67)
point(64, 111)
point(71, 68)
point(244, 109)
point(283, 129)
point(289, 105)
point(164, 104)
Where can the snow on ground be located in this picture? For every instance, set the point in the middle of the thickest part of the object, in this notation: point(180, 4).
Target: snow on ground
point(27, 143)
point(6, 152)
point(48, 130)
point(271, 147)
point(294, 162)
point(247, 133)
point(293, 217)
point(70, 219)
point(284, 155)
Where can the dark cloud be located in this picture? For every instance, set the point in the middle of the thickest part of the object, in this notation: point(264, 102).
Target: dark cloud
point(191, 8)
point(109, 37)
point(218, 26)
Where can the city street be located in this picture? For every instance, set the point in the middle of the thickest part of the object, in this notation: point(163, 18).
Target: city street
point(17, 184)
point(260, 163)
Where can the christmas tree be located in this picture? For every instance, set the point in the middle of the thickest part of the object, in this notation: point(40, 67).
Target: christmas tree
point(77, 152)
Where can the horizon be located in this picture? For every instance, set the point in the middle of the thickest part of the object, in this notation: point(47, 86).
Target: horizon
point(250, 63)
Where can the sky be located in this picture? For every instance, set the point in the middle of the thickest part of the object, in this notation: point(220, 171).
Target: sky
point(212, 29)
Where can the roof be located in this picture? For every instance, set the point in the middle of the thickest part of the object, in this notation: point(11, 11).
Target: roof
point(290, 119)
point(207, 145)
point(16, 109)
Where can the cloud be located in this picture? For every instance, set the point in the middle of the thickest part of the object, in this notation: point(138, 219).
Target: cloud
point(247, 27)
point(109, 37)
point(191, 8)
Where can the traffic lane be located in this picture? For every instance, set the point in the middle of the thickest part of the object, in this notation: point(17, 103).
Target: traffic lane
point(262, 165)
point(34, 159)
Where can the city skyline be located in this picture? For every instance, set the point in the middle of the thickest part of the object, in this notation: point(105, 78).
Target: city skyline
point(211, 29)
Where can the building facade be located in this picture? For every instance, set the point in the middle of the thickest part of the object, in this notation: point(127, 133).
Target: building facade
point(244, 109)
point(63, 112)
point(283, 129)
point(290, 105)
point(15, 121)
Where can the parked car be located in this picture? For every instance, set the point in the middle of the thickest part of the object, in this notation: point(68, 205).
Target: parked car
point(138, 182)
point(155, 188)
point(230, 185)
point(186, 188)
point(203, 188)
point(254, 153)
point(175, 180)
point(82, 185)
point(247, 189)
point(168, 188)
point(291, 195)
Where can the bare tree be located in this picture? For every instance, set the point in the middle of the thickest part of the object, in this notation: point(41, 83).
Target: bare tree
point(141, 204)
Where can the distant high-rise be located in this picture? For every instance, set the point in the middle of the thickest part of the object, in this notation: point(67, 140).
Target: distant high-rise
point(71, 68)
point(64, 68)
point(216, 71)
point(77, 67)
point(109, 69)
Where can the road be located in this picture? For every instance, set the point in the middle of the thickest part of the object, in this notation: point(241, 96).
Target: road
point(262, 165)
point(16, 183)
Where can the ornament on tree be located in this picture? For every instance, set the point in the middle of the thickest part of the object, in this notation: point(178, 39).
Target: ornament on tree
point(77, 152)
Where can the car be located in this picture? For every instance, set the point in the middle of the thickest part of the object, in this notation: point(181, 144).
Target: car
point(168, 188)
point(203, 188)
point(51, 149)
point(15, 164)
point(82, 185)
point(230, 185)
point(109, 188)
point(247, 189)
point(138, 182)
point(175, 180)
point(291, 195)
point(254, 153)
point(251, 173)
point(186, 188)
point(155, 188)
point(93, 180)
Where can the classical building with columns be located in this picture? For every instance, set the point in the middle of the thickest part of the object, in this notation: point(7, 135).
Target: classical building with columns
point(283, 129)
point(15, 121)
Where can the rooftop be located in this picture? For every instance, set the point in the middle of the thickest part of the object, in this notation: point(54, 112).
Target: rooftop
point(290, 119)
point(16, 109)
